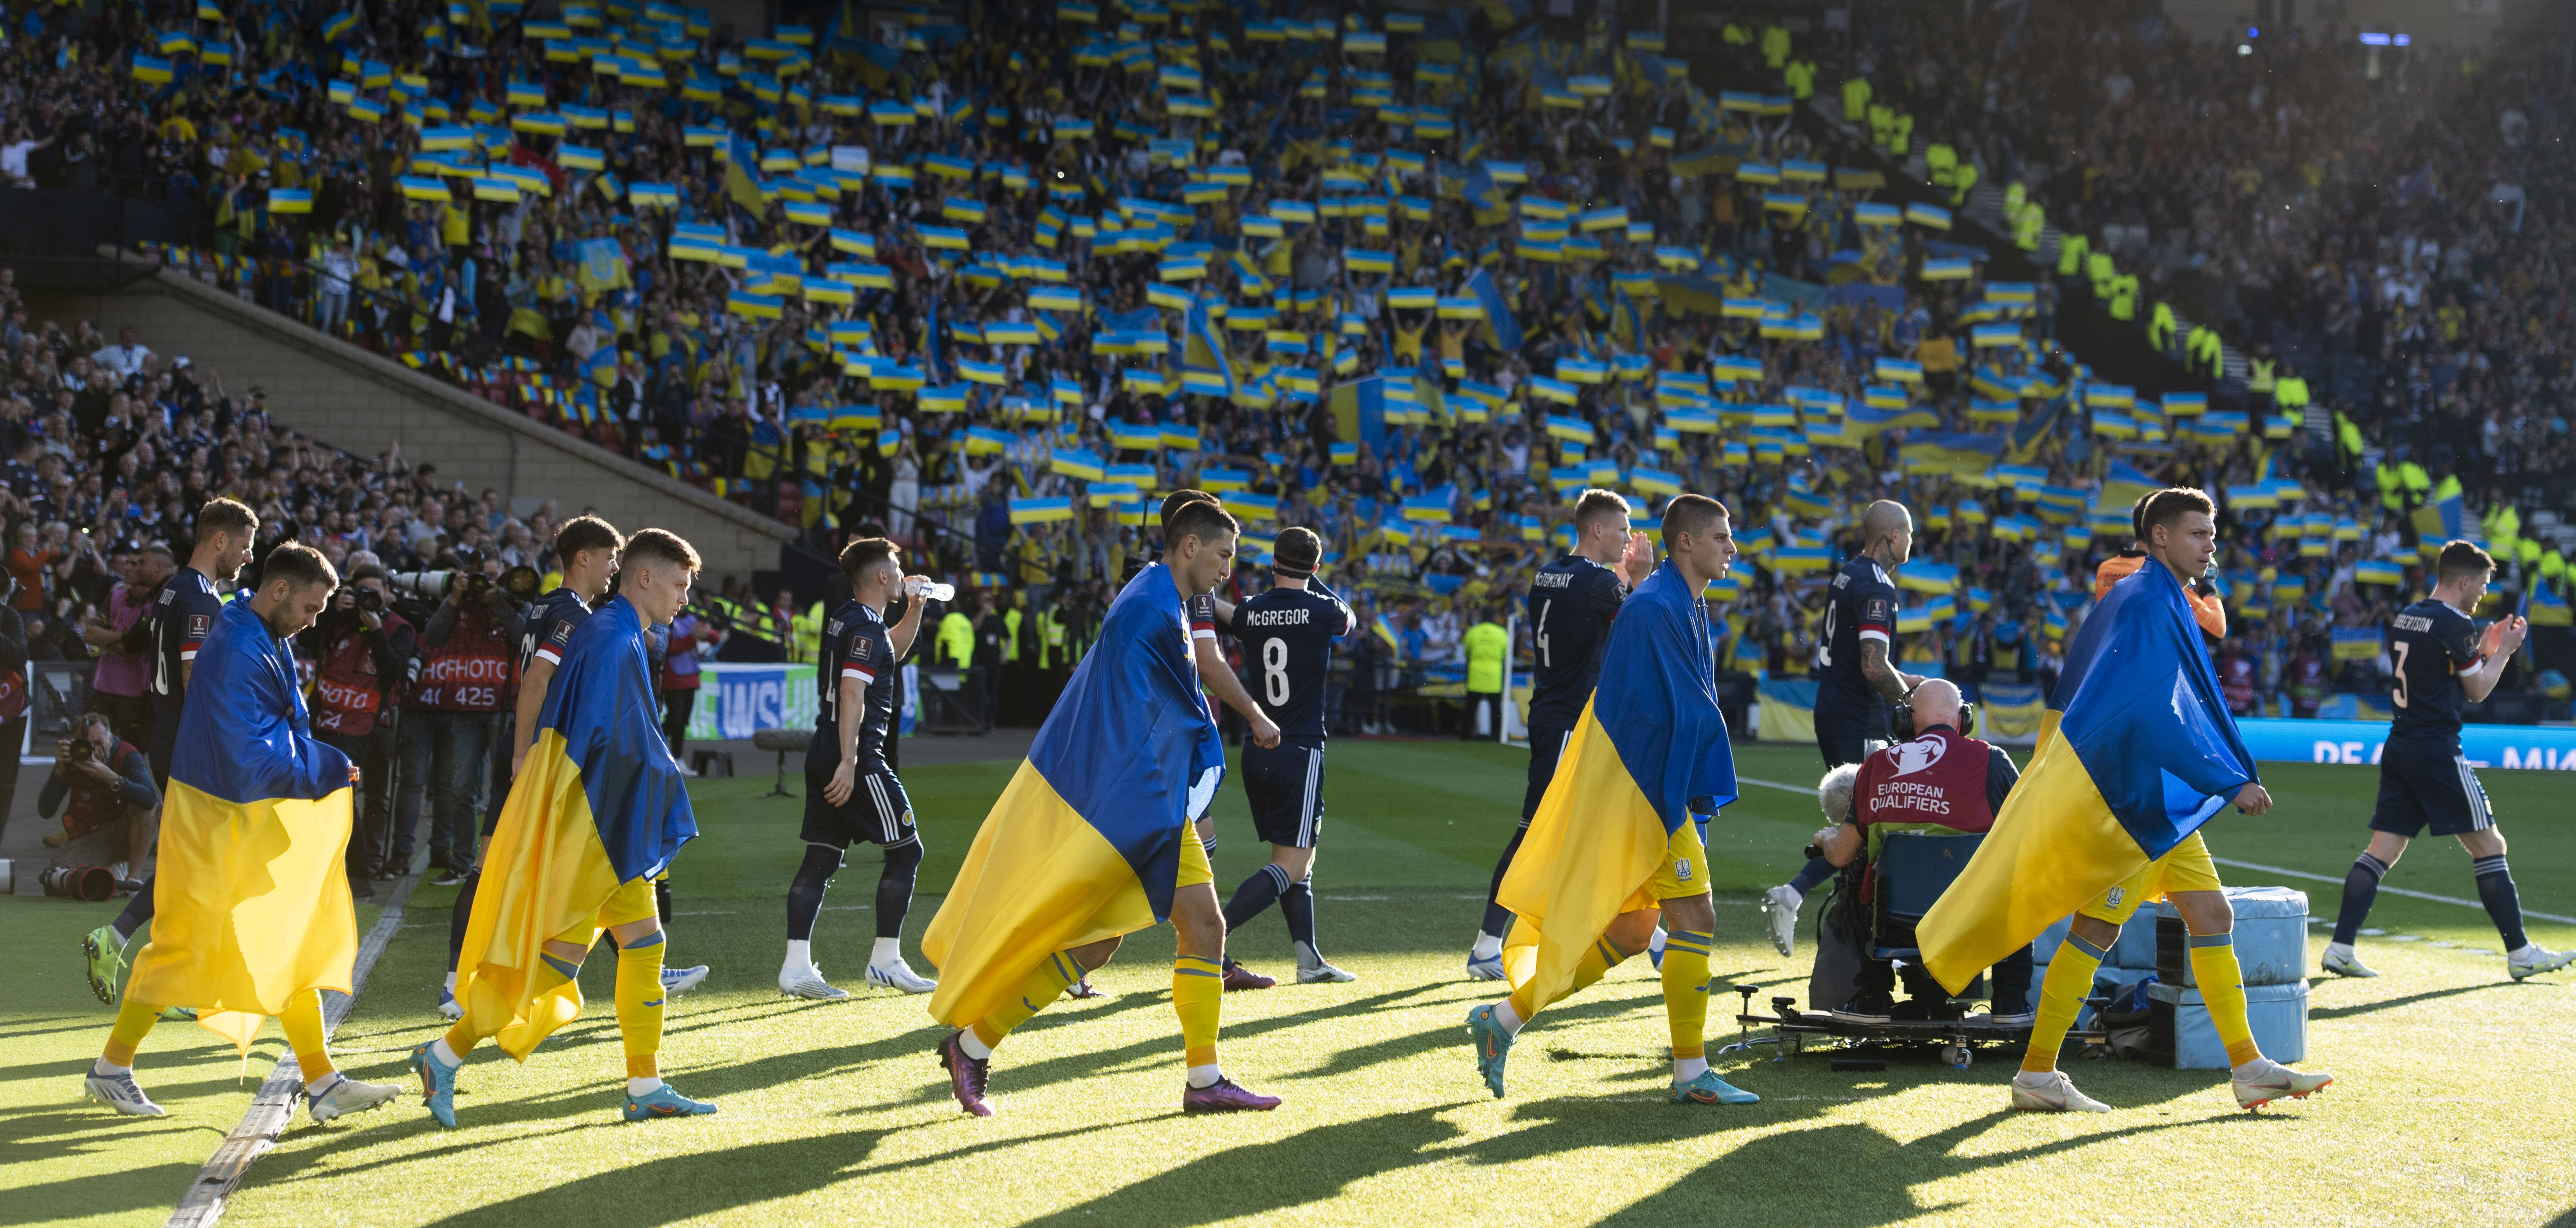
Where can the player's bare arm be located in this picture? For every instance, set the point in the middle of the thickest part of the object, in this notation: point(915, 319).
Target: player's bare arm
point(1889, 681)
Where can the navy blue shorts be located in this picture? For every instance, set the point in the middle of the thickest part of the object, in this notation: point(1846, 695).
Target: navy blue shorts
point(878, 811)
point(2418, 788)
point(1546, 747)
point(1285, 785)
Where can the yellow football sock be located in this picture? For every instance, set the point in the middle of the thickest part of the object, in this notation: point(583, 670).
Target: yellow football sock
point(1048, 983)
point(2061, 995)
point(639, 1004)
point(1686, 990)
point(134, 1021)
point(2222, 986)
point(1596, 964)
point(302, 1020)
point(1198, 997)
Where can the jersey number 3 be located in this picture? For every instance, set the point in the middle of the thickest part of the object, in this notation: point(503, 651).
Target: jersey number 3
point(2400, 647)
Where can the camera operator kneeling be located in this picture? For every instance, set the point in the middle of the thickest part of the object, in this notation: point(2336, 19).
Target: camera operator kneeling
point(1937, 780)
point(108, 823)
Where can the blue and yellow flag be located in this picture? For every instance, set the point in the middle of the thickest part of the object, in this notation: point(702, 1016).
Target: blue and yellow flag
point(599, 802)
point(1085, 844)
point(253, 900)
point(1649, 750)
point(2135, 753)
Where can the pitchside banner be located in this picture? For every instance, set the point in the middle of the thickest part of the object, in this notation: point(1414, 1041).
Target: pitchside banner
point(737, 701)
point(2485, 746)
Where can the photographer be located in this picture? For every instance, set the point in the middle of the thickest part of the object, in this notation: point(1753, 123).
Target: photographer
point(454, 713)
point(109, 784)
point(363, 649)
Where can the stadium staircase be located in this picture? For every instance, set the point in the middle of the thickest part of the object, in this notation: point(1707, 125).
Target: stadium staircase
point(358, 401)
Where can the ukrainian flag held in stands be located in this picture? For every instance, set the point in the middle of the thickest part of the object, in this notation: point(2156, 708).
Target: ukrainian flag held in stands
point(1084, 844)
point(2135, 753)
point(1634, 770)
point(599, 803)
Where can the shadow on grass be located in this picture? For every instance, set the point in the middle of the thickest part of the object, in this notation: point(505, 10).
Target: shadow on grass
point(153, 1188)
point(2364, 1008)
point(1310, 1166)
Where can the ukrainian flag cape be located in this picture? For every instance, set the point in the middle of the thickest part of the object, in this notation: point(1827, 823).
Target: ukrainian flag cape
point(599, 803)
point(1650, 745)
point(1085, 842)
point(253, 902)
point(2136, 752)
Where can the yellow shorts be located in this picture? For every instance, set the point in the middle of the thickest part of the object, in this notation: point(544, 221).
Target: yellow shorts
point(1194, 860)
point(1681, 874)
point(631, 902)
point(2187, 868)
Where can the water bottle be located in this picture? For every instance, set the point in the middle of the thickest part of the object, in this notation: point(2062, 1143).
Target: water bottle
point(928, 589)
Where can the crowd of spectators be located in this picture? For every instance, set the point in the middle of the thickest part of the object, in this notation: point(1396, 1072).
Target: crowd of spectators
point(993, 277)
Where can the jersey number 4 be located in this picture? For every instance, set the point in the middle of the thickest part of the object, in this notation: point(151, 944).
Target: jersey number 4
point(1538, 634)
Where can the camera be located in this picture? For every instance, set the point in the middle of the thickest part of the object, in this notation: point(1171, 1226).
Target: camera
point(426, 585)
point(370, 600)
point(520, 582)
point(83, 750)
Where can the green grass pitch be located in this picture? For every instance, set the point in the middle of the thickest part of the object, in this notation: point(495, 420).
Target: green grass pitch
point(2451, 1104)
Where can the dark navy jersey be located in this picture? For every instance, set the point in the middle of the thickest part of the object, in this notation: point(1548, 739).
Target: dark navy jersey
point(2432, 646)
point(857, 647)
point(1288, 636)
point(1571, 603)
point(548, 627)
point(1862, 607)
point(182, 616)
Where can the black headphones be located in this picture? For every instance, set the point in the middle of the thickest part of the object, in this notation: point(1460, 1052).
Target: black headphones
point(1901, 720)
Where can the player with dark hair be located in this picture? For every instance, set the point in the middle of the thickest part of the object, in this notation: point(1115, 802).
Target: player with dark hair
point(1856, 680)
point(178, 623)
point(1092, 839)
point(850, 791)
point(2442, 661)
point(259, 920)
point(1288, 635)
point(586, 550)
point(1571, 603)
point(2178, 527)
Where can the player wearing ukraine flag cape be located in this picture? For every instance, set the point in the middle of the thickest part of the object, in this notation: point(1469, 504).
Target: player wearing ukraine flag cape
point(254, 917)
point(1613, 845)
point(1092, 840)
point(2136, 753)
point(599, 808)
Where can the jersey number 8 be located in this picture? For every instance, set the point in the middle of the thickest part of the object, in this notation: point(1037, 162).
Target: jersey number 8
point(1274, 672)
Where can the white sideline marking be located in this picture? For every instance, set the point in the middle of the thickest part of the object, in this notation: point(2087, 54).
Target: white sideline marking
point(274, 1106)
point(2256, 865)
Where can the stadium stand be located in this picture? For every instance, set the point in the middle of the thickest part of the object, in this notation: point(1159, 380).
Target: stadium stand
point(995, 275)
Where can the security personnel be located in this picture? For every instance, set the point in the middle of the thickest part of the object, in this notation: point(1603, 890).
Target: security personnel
point(957, 637)
point(2101, 271)
point(2290, 392)
point(2124, 297)
point(2160, 326)
point(1802, 79)
point(1855, 98)
point(1963, 180)
point(1939, 160)
point(2072, 250)
point(2205, 354)
point(805, 634)
point(1052, 629)
point(1775, 46)
point(2260, 381)
point(1487, 645)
